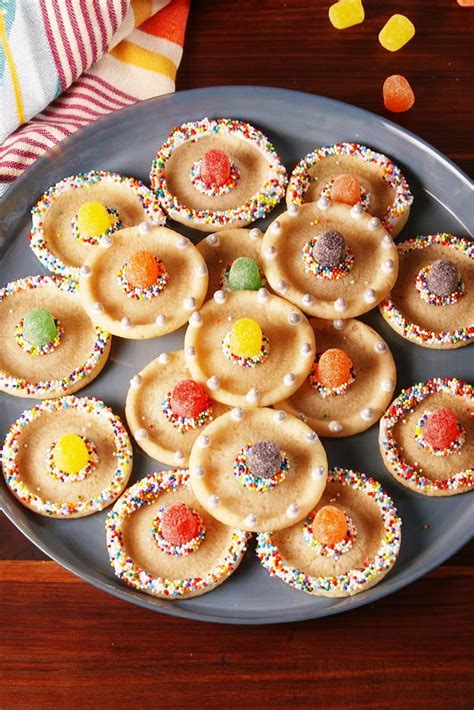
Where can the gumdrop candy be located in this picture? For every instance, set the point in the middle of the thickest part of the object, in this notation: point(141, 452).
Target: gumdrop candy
point(179, 524)
point(264, 459)
point(246, 338)
point(396, 32)
point(39, 327)
point(244, 275)
point(346, 13)
point(330, 248)
point(215, 168)
point(345, 188)
point(441, 429)
point(442, 278)
point(93, 219)
point(334, 368)
point(189, 398)
point(330, 525)
point(398, 95)
point(143, 270)
point(70, 453)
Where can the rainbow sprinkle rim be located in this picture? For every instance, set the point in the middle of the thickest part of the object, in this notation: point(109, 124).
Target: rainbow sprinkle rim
point(81, 506)
point(115, 225)
point(256, 207)
point(300, 178)
point(456, 444)
point(412, 476)
point(256, 483)
point(354, 580)
point(213, 190)
point(365, 196)
point(145, 492)
point(34, 349)
point(38, 241)
point(421, 285)
point(323, 550)
point(329, 391)
point(144, 294)
point(330, 273)
point(246, 361)
point(184, 424)
point(177, 550)
point(83, 473)
point(45, 388)
point(412, 331)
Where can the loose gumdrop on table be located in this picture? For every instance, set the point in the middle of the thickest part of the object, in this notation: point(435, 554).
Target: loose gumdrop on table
point(345, 188)
point(70, 453)
point(93, 219)
point(330, 525)
point(246, 338)
point(398, 95)
point(189, 398)
point(143, 270)
point(244, 275)
point(396, 32)
point(39, 327)
point(346, 13)
point(179, 524)
point(442, 278)
point(215, 168)
point(334, 368)
point(441, 429)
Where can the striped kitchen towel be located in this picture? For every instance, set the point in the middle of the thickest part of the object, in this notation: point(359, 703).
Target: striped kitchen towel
point(65, 63)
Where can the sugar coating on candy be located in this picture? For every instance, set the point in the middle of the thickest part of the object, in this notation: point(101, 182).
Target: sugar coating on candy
point(443, 277)
point(334, 368)
point(246, 338)
point(346, 13)
point(441, 428)
point(345, 188)
point(330, 248)
point(244, 275)
point(93, 219)
point(264, 459)
point(39, 327)
point(466, 3)
point(143, 270)
point(398, 95)
point(330, 525)
point(189, 398)
point(179, 524)
point(70, 454)
point(396, 32)
point(215, 167)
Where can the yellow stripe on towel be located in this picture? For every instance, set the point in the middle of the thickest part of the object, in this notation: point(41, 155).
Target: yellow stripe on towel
point(131, 53)
point(20, 108)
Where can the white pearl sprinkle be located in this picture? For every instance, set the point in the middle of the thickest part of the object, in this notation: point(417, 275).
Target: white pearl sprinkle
point(387, 266)
point(204, 441)
point(253, 395)
point(380, 346)
point(201, 270)
point(160, 319)
point(373, 224)
point(280, 416)
point(388, 385)
point(213, 240)
point(281, 286)
point(179, 456)
point(136, 381)
point(317, 472)
point(293, 510)
point(276, 227)
point(357, 211)
point(289, 379)
point(306, 349)
point(98, 307)
point(164, 358)
point(198, 471)
point(262, 295)
point(195, 320)
point(303, 417)
point(270, 252)
point(340, 304)
point(255, 233)
point(126, 322)
point(335, 427)
point(250, 520)
point(85, 270)
point(387, 242)
point(190, 352)
point(141, 434)
point(323, 203)
point(294, 318)
point(189, 303)
point(213, 501)
point(308, 299)
point(370, 295)
point(213, 382)
point(237, 414)
point(144, 227)
point(312, 437)
point(183, 243)
point(367, 414)
point(220, 297)
point(293, 209)
point(339, 324)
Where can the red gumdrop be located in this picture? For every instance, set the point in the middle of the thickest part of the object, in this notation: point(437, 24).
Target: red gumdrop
point(188, 399)
point(345, 188)
point(398, 95)
point(215, 168)
point(441, 428)
point(179, 524)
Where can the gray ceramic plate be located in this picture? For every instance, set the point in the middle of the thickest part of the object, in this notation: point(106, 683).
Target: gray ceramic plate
point(295, 122)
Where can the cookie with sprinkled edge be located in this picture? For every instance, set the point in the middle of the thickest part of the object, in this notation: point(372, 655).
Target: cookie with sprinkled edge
point(161, 541)
point(82, 211)
point(147, 285)
point(217, 173)
point(258, 469)
point(427, 437)
point(50, 347)
point(351, 382)
point(330, 259)
point(432, 302)
point(67, 458)
point(166, 410)
point(354, 174)
point(251, 349)
point(346, 544)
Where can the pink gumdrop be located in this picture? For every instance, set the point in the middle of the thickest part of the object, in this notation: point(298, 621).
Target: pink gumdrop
point(215, 168)
point(441, 428)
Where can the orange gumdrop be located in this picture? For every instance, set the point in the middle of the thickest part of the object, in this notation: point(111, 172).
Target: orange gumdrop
point(143, 270)
point(330, 525)
point(334, 368)
point(345, 188)
point(398, 95)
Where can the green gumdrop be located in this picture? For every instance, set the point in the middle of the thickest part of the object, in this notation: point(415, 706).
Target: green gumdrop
point(244, 275)
point(39, 327)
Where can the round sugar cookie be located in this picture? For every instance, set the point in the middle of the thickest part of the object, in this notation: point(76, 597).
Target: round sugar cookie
point(320, 558)
point(166, 410)
point(427, 437)
point(161, 541)
point(351, 383)
point(278, 362)
point(383, 190)
point(63, 236)
point(50, 347)
point(67, 458)
point(432, 302)
point(147, 285)
point(217, 173)
point(258, 469)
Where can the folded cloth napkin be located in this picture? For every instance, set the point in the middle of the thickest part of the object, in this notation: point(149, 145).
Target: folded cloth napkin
point(65, 63)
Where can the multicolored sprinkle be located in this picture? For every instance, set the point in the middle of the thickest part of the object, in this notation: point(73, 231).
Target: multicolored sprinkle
point(322, 271)
point(323, 550)
point(143, 294)
point(246, 362)
point(329, 391)
point(455, 445)
point(34, 349)
point(115, 225)
point(184, 424)
point(433, 299)
point(82, 474)
point(256, 483)
point(177, 550)
point(213, 190)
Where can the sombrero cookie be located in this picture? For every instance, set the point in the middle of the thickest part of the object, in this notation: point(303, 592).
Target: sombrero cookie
point(163, 542)
point(49, 345)
point(351, 382)
point(80, 212)
point(67, 458)
point(355, 175)
point(432, 302)
point(427, 437)
point(346, 544)
point(331, 260)
point(234, 260)
point(217, 173)
point(258, 469)
point(251, 349)
point(166, 410)
point(147, 285)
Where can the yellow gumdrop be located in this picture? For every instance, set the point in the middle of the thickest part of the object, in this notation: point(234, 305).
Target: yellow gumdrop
point(346, 13)
point(246, 338)
point(70, 453)
point(396, 32)
point(92, 219)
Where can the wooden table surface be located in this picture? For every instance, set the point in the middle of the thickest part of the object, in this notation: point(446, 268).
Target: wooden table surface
point(63, 644)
